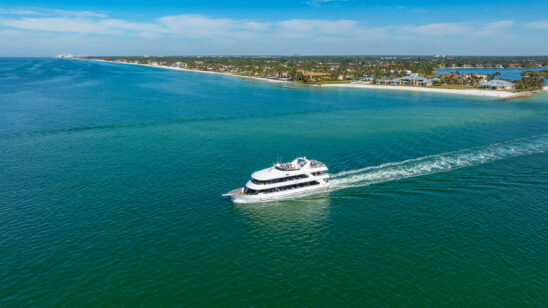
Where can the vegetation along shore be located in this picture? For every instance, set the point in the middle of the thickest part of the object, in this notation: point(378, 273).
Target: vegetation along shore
point(386, 72)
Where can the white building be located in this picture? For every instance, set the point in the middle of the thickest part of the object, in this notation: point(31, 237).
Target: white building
point(497, 85)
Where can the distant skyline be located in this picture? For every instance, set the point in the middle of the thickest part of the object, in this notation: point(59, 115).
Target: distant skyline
point(309, 27)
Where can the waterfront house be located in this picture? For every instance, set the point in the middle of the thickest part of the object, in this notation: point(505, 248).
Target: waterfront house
point(343, 77)
point(366, 79)
point(385, 80)
point(414, 81)
point(450, 75)
point(314, 76)
point(472, 75)
point(497, 85)
point(284, 75)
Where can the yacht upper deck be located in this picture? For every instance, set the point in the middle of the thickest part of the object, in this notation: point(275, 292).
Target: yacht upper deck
point(297, 166)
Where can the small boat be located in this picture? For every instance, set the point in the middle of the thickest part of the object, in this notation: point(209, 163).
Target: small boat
point(282, 181)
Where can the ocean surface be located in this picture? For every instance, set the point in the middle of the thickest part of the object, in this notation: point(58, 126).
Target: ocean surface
point(111, 178)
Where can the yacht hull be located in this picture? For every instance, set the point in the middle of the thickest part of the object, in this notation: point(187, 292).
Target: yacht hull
point(237, 197)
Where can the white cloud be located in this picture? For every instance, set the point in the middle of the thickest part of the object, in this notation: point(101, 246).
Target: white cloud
point(373, 33)
point(256, 26)
point(60, 24)
point(50, 12)
point(78, 25)
point(301, 28)
point(196, 25)
point(11, 33)
point(149, 35)
point(440, 29)
point(390, 7)
point(468, 28)
point(320, 3)
point(78, 13)
point(18, 12)
point(199, 26)
point(233, 35)
point(118, 25)
point(245, 35)
point(495, 28)
point(541, 24)
point(419, 10)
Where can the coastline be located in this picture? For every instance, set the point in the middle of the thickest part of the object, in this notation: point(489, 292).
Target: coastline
point(195, 71)
point(504, 95)
point(473, 92)
point(489, 68)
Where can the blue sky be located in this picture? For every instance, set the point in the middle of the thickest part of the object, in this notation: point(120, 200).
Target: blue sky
point(308, 27)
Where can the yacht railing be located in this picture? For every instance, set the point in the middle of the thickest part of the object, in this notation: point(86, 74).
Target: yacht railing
point(287, 167)
point(316, 164)
point(291, 167)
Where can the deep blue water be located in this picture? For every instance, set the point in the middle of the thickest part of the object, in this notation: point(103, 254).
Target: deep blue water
point(111, 178)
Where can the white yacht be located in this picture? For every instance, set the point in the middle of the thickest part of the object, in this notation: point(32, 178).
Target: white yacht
point(283, 181)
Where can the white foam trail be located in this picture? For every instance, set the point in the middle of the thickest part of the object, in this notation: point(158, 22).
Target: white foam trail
point(439, 163)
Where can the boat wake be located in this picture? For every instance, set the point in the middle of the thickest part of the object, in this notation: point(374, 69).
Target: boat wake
point(439, 163)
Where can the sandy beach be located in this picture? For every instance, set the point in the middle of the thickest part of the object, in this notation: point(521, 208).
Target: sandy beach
point(195, 71)
point(474, 92)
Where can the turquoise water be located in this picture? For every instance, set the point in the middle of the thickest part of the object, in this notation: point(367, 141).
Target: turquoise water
point(505, 73)
point(111, 180)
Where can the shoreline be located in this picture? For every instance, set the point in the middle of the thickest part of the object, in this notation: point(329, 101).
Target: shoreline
point(490, 68)
point(472, 92)
point(195, 71)
point(503, 95)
